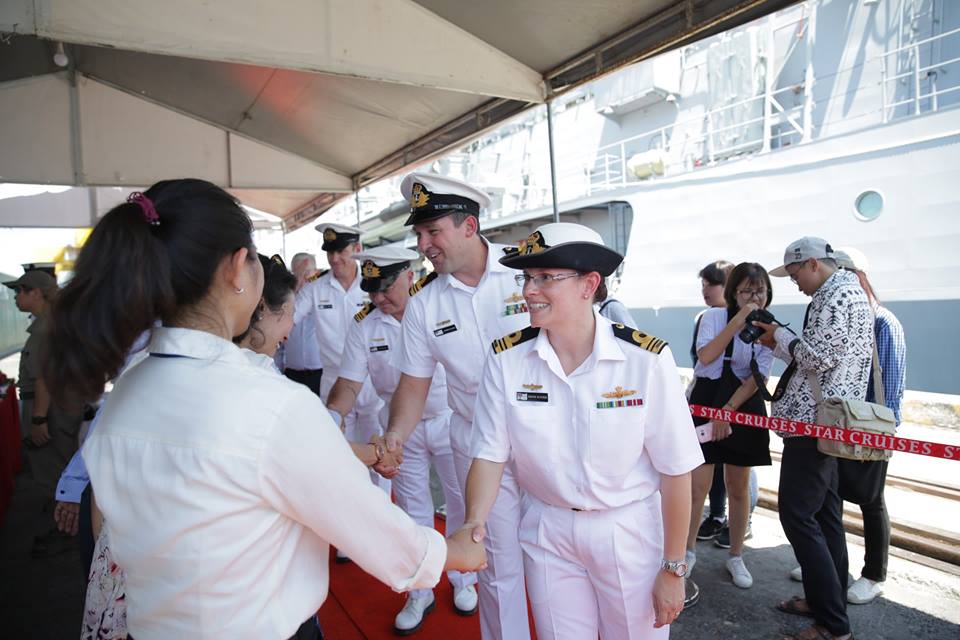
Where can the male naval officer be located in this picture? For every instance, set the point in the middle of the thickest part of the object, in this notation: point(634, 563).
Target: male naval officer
point(331, 302)
point(301, 352)
point(456, 313)
point(371, 342)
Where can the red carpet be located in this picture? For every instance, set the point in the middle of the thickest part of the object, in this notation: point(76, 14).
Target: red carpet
point(360, 607)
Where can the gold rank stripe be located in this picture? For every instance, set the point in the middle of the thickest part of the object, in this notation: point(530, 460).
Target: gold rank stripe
point(422, 282)
point(639, 338)
point(511, 340)
point(363, 313)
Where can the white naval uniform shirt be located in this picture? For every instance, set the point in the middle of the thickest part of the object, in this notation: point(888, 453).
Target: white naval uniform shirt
point(370, 346)
point(571, 447)
point(332, 310)
point(301, 351)
point(223, 484)
point(449, 323)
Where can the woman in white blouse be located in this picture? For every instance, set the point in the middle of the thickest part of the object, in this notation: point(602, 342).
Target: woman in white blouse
point(724, 380)
point(222, 484)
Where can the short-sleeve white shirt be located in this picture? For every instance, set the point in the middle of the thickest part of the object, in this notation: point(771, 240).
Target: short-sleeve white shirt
point(223, 484)
point(449, 323)
point(332, 309)
point(596, 439)
point(712, 322)
point(301, 350)
point(371, 344)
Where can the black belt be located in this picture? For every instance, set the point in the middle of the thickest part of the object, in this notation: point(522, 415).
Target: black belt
point(304, 370)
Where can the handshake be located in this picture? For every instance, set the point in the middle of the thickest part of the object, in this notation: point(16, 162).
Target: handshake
point(389, 451)
point(465, 550)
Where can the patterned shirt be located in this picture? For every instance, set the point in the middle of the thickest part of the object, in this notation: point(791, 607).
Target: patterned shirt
point(892, 350)
point(836, 345)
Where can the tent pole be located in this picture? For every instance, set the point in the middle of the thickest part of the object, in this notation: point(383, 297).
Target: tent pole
point(553, 163)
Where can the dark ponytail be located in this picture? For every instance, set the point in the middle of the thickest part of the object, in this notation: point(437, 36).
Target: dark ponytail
point(132, 272)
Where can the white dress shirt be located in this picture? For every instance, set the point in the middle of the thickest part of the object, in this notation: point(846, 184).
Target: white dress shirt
point(449, 323)
point(223, 484)
point(301, 351)
point(712, 322)
point(571, 448)
point(332, 309)
point(371, 343)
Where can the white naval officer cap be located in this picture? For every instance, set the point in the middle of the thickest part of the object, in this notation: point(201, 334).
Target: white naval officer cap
point(433, 196)
point(337, 236)
point(380, 266)
point(564, 245)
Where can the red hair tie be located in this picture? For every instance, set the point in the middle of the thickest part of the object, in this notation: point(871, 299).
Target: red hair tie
point(146, 206)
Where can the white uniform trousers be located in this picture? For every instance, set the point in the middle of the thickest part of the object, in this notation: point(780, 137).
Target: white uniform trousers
point(430, 442)
point(592, 572)
point(363, 421)
point(503, 597)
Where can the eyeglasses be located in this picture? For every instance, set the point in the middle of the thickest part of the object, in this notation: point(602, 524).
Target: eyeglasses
point(542, 279)
point(793, 274)
point(753, 293)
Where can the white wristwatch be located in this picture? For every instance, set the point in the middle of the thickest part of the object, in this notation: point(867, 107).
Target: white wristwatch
point(676, 567)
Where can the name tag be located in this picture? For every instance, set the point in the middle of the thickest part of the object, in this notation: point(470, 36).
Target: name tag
point(450, 328)
point(532, 396)
point(324, 306)
point(379, 347)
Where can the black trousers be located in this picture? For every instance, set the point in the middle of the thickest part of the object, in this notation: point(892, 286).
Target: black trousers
point(309, 630)
point(85, 532)
point(309, 377)
point(811, 513)
point(862, 483)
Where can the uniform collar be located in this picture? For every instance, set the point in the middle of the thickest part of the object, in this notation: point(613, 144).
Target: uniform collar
point(494, 252)
point(605, 347)
point(386, 318)
point(353, 285)
point(190, 343)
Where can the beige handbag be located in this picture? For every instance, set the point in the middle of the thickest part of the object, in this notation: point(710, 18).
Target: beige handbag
point(872, 417)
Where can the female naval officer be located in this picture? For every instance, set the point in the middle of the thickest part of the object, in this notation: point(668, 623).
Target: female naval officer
point(594, 415)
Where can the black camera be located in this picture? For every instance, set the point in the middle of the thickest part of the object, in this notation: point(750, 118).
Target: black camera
point(750, 333)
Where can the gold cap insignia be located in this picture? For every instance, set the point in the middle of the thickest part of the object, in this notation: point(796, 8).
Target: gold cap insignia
point(370, 270)
point(619, 392)
point(329, 235)
point(533, 387)
point(419, 197)
point(516, 297)
point(533, 244)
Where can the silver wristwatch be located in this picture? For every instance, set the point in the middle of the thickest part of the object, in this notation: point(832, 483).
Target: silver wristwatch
point(676, 567)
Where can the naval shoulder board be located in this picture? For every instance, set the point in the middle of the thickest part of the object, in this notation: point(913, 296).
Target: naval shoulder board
point(422, 282)
point(513, 339)
point(363, 313)
point(639, 338)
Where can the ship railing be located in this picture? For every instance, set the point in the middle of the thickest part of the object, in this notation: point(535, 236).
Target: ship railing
point(700, 140)
point(710, 138)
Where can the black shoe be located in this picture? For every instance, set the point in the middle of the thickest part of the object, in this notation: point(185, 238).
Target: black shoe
point(710, 528)
point(692, 593)
point(723, 538)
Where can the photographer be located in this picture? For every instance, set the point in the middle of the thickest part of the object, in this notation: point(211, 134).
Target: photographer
point(836, 346)
point(725, 348)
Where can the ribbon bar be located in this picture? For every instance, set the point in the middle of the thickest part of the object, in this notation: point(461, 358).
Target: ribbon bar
point(838, 434)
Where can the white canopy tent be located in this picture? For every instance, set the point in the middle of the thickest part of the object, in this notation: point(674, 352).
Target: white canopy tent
point(295, 105)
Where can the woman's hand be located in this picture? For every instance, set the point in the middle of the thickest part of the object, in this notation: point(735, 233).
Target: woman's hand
point(465, 552)
point(668, 593)
point(721, 430)
point(740, 320)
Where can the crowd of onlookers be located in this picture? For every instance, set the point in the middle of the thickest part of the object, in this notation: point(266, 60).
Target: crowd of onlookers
point(201, 428)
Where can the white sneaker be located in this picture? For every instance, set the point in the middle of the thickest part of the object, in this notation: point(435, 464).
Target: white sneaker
point(738, 570)
point(796, 574)
point(465, 600)
point(411, 616)
point(864, 590)
point(690, 557)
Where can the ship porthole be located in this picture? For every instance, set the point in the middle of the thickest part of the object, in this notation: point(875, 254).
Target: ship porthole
point(868, 206)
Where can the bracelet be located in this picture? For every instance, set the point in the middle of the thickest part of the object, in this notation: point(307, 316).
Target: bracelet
point(378, 450)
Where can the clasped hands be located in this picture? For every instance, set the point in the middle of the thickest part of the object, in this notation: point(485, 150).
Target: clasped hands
point(389, 454)
point(465, 551)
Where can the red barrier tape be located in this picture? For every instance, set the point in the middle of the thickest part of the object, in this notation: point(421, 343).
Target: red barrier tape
point(848, 436)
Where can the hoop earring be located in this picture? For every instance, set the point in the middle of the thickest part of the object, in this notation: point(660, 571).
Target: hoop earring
point(239, 290)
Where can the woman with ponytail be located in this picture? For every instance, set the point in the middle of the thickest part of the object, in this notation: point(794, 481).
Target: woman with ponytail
point(222, 485)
